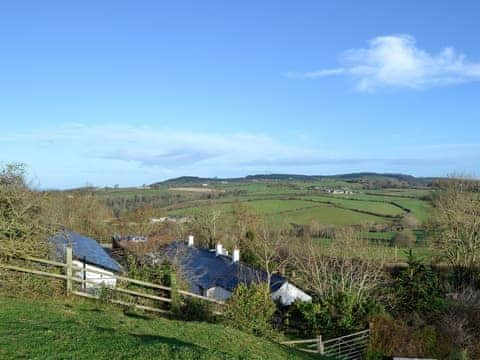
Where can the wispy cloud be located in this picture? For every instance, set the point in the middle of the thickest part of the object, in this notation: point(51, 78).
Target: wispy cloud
point(397, 61)
point(159, 147)
point(117, 153)
point(171, 149)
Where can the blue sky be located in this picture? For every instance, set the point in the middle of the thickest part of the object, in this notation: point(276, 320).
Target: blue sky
point(131, 92)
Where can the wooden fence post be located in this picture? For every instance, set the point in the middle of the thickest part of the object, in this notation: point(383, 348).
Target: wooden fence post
point(320, 347)
point(174, 294)
point(68, 253)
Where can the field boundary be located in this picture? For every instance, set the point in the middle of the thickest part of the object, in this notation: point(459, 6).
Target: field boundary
point(206, 203)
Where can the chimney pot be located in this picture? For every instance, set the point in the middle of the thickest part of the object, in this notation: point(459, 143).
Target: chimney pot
point(236, 255)
point(219, 249)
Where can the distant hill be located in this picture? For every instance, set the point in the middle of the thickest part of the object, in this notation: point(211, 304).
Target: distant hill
point(394, 180)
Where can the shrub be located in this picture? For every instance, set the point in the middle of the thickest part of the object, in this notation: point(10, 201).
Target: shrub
point(417, 289)
point(396, 337)
point(405, 238)
point(192, 309)
point(23, 227)
point(251, 309)
point(410, 222)
point(331, 316)
point(307, 317)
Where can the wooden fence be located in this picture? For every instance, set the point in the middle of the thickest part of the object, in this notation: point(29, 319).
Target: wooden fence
point(68, 269)
point(348, 347)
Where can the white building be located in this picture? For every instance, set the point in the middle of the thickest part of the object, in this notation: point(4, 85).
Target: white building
point(214, 274)
point(97, 266)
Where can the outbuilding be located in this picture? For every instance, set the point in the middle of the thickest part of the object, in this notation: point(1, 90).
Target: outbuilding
point(98, 267)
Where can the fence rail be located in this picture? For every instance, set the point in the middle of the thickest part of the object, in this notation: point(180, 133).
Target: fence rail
point(347, 347)
point(68, 276)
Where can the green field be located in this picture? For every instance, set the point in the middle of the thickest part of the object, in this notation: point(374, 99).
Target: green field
point(329, 215)
point(419, 209)
point(282, 200)
point(381, 208)
point(296, 211)
point(285, 201)
point(34, 329)
point(325, 210)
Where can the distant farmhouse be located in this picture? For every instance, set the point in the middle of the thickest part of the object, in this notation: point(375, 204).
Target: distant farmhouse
point(214, 274)
point(119, 241)
point(88, 255)
point(338, 191)
point(172, 219)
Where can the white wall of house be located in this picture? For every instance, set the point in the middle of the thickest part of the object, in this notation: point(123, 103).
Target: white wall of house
point(218, 293)
point(288, 293)
point(106, 278)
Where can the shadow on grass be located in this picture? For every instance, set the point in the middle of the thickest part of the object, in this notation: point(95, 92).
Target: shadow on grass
point(91, 310)
point(152, 339)
point(135, 315)
point(149, 339)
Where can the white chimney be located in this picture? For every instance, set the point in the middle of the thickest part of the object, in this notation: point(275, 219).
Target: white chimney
point(190, 240)
point(219, 249)
point(236, 255)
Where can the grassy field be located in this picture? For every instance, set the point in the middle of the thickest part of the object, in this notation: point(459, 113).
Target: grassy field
point(296, 211)
point(34, 329)
point(284, 201)
point(381, 208)
point(298, 202)
point(303, 208)
point(329, 215)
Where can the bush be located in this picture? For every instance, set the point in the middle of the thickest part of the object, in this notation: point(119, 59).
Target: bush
point(410, 222)
point(251, 309)
point(396, 337)
point(192, 309)
point(331, 316)
point(405, 239)
point(307, 317)
point(23, 224)
point(417, 289)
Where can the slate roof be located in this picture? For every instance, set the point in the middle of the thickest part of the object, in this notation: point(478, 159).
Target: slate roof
point(205, 269)
point(83, 247)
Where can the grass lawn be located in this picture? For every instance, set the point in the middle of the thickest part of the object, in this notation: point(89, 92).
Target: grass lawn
point(76, 329)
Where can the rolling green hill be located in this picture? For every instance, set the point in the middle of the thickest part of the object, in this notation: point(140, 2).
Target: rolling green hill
point(73, 329)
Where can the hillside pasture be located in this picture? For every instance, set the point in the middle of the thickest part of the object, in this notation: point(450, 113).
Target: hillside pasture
point(377, 207)
point(292, 211)
point(74, 329)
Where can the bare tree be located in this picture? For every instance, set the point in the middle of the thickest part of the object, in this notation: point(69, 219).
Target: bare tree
point(205, 225)
point(23, 225)
point(139, 221)
point(244, 223)
point(457, 222)
point(268, 248)
point(80, 211)
point(344, 266)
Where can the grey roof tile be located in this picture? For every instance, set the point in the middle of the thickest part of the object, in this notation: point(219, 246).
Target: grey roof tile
point(83, 247)
point(204, 268)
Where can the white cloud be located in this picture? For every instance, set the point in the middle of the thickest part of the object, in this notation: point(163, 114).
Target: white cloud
point(396, 61)
point(74, 154)
point(172, 149)
point(164, 148)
